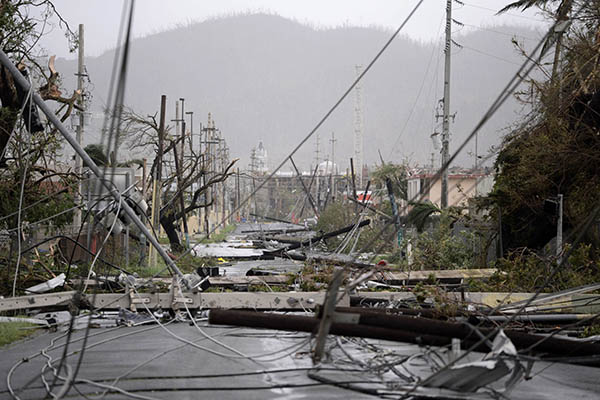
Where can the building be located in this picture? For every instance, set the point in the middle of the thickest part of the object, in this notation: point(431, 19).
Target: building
point(462, 185)
point(262, 159)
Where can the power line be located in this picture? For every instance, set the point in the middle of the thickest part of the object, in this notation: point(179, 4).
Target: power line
point(414, 106)
point(321, 121)
point(488, 54)
point(512, 35)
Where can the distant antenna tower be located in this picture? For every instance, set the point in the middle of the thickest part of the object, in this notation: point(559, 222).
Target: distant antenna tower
point(358, 130)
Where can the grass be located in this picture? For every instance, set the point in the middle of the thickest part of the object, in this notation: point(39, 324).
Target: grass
point(13, 331)
point(221, 236)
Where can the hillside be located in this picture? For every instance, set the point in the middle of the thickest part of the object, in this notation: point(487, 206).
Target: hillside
point(267, 78)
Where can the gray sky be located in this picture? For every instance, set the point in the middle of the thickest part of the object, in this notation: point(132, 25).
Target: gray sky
point(102, 17)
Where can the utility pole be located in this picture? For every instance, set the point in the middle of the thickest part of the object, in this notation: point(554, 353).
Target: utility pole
point(559, 229)
point(156, 188)
point(333, 172)
point(210, 167)
point(358, 129)
point(78, 160)
point(182, 161)
point(180, 131)
point(446, 116)
point(317, 186)
point(191, 114)
point(237, 194)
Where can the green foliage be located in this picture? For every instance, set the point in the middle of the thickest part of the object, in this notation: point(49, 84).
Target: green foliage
point(97, 154)
point(219, 236)
point(315, 277)
point(263, 287)
point(397, 174)
point(591, 330)
point(556, 150)
point(13, 331)
point(441, 249)
point(428, 291)
point(52, 206)
point(420, 213)
point(337, 215)
point(527, 271)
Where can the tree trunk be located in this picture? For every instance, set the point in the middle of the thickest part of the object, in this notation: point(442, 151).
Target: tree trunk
point(168, 224)
point(10, 108)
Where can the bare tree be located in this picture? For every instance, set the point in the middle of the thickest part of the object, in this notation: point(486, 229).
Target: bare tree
point(142, 134)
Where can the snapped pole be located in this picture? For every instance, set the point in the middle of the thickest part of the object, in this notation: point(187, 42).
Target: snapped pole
point(21, 81)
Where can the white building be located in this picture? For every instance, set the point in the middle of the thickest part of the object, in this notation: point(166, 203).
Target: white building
point(262, 159)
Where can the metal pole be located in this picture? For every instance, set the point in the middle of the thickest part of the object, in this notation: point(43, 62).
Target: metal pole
point(78, 160)
point(126, 238)
point(21, 81)
point(446, 120)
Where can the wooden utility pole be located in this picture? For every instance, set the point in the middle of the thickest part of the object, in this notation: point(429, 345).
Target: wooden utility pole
point(78, 160)
point(156, 187)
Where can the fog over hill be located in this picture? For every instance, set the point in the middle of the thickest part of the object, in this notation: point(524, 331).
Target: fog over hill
point(267, 78)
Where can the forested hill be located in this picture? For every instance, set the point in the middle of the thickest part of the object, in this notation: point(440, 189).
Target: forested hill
point(267, 78)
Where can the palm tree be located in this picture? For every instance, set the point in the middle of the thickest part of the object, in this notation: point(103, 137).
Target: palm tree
point(420, 213)
point(562, 12)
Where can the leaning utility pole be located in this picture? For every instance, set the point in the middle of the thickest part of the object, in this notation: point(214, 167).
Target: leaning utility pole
point(79, 160)
point(446, 116)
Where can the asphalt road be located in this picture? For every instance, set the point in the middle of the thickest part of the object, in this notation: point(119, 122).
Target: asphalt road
point(150, 362)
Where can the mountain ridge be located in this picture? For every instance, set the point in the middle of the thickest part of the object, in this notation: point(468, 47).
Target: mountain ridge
point(265, 77)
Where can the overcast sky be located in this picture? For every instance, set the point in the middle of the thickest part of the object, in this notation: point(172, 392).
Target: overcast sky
point(102, 17)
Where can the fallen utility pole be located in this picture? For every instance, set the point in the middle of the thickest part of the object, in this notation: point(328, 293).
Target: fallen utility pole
point(298, 301)
point(338, 259)
point(369, 207)
point(274, 219)
point(22, 82)
point(401, 328)
point(274, 231)
point(297, 323)
point(321, 237)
